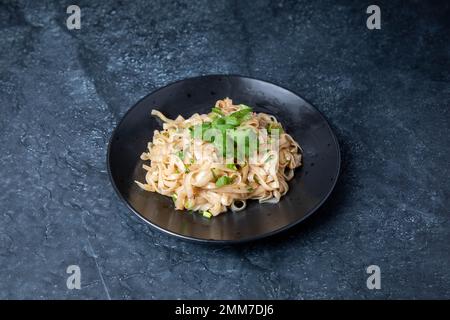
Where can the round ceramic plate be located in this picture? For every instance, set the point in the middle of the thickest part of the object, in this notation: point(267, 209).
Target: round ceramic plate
point(312, 184)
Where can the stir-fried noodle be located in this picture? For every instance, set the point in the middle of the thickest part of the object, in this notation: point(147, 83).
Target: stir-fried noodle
point(213, 161)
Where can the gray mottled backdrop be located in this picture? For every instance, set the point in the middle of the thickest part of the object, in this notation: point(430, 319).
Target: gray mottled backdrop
point(385, 92)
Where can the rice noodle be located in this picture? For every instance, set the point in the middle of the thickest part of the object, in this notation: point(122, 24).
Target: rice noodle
point(179, 168)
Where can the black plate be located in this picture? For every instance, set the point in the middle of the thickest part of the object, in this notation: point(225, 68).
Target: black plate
point(312, 184)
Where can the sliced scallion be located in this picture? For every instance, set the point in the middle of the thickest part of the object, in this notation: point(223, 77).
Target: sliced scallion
point(231, 166)
point(217, 110)
point(223, 181)
point(207, 214)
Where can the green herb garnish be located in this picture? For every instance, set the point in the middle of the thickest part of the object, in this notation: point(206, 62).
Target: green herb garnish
point(188, 204)
point(180, 154)
point(242, 114)
point(227, 127)
point(217, 110)
point(207, 214)
point(232, 120)
point(223, 181)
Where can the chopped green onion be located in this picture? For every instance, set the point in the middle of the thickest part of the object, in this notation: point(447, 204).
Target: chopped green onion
point(269, 158)
point(231, 166)
point(207, 214)
point(231, 120)
point(174, 197)
point(224, 127)
point(213, 115)
point(223, 180)
point(217, 110)
point(188, 204)
point(217, 122)
point(228, 126)
point(180, 154)
point(242, 112)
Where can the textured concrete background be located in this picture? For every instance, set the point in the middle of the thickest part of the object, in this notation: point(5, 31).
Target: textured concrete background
point(386, 93)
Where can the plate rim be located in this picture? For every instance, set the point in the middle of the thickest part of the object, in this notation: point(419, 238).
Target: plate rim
point(213, 241)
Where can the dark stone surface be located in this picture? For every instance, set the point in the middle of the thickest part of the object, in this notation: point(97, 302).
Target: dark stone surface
point(385, 92)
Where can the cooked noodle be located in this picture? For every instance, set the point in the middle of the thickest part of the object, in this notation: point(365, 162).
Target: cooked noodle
point(192, 170)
